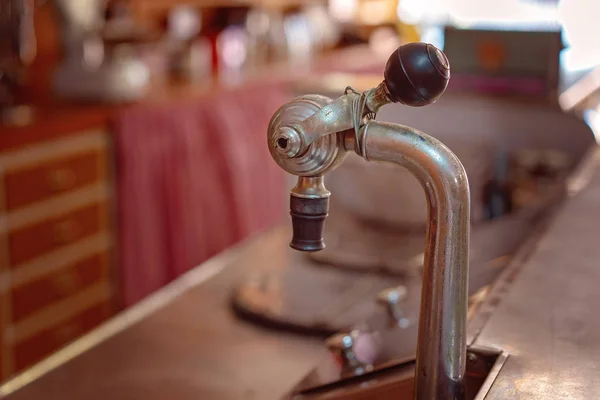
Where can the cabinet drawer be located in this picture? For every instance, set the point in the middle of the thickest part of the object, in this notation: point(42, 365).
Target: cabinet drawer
point(3, 299)
point(47, 342)
point(3, 251)
point(30, 184)
point(35, 240)
point(57, 286)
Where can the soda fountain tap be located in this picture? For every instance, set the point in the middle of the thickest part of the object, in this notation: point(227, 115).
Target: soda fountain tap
point(309, 137)
point(392, 300)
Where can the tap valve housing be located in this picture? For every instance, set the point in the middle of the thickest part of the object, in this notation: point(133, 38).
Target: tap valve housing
point(309, 137)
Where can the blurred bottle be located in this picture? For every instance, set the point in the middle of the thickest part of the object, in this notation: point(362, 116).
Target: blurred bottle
point(299, 38)
point(325, 31)
point(409, 17)
point(381, 23)
point(190, 56)
point(258, 24)
point(498, 192)
point(99, 64)
point(17, 52)
point(232, 51)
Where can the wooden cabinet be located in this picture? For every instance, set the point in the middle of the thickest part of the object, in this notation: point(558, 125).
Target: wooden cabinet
point(56, 246)
point(58, 285)
point(35, 240)
point(41, 180)
point(45, 341)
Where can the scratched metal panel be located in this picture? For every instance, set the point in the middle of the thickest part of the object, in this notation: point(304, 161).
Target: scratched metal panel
point(548, 320)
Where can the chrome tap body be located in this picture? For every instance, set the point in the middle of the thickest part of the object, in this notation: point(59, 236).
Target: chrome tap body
point(310, 136)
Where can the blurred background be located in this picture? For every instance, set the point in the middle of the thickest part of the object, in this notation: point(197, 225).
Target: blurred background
point(132, 137)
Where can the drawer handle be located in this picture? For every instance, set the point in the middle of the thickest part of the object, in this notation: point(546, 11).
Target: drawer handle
point(62, 179)
point(66, 232)
point(67, 332)
point(66, 283)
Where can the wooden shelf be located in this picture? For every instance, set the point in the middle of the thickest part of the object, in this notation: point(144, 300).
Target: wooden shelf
point(54, 117)
point(151, 11)
point(146, 7)
point(163, 4)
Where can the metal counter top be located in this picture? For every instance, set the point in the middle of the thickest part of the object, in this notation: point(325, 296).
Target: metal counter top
point(181, 343)
point(547, 316)
point(184, 343)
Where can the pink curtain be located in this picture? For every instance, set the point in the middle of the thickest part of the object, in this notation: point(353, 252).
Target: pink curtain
point(193, 178)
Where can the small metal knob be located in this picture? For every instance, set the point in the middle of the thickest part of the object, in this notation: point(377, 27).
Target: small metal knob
point(392, 299)
point(343, 346)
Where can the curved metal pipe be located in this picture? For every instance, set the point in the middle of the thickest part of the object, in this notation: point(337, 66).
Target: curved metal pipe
point(441, 347)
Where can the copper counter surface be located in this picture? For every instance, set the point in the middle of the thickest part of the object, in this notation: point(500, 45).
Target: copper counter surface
point(192, 348)
point(548, 318)
point(545, 316)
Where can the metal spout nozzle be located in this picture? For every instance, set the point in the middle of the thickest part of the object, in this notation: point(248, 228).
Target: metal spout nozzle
point(309, 207)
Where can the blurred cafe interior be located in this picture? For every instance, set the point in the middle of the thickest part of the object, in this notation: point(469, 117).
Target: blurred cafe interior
point(299, 199)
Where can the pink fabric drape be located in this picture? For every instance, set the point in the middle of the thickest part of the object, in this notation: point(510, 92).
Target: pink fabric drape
point(193, 179)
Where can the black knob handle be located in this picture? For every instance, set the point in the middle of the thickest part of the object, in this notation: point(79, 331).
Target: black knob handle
point(308, 222)
point(417, 74)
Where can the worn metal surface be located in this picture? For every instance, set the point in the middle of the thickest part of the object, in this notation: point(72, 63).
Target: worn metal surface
point(338, 300)
point(441, 346)
point(193, 348)
point(182, 343)
point(395, 380)
point(547, 319)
